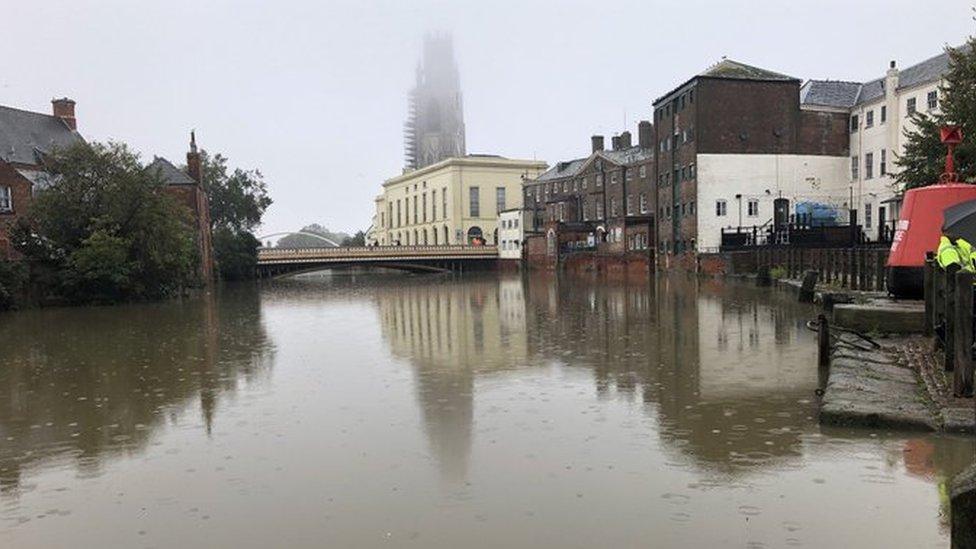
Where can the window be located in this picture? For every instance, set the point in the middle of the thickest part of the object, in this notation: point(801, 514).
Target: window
point(869, 119)
point(753, 208)
point(613, 178)
point(474, 202)
point(565, 186)
point(599, 179)
point(884, 114)
point(575, 185)
point(643, 172)
point(433, 209)
point(6, 200)
point(423, 199)
point(629, 204)
point(599, 210)
point(499, 199)
point(691, 208)
point(444, 207)
point(854, 124)
point(884, 167)
point(691, 171)
point(910, 106)
point(613, 206)
point(721, 208)
point(854, 165)
point(399, 219)
point(415, 209)
point(562, 211)
point(583, 183)
point(643, 203)
point(867, 215)
point(868, 165)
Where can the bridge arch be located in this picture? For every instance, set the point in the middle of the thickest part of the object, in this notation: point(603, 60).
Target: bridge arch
point(304, 233)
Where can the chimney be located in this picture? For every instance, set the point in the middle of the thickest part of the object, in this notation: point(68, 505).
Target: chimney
point(193, 163)
point(615, 142)
point(625, 140)
point(645, 134)
point(64, 109)
point(597, 141)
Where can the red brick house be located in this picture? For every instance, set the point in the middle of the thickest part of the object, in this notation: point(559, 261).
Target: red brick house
point(25, 137)
point(187, 189)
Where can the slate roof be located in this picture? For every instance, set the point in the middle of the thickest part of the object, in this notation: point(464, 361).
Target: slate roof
point(733, 70)
point(25, 134)
point(727, 68)
point(629, 156)
point(171, 174)
point(829, 93)
point(563, 169)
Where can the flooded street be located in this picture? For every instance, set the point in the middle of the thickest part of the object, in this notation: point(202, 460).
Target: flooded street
point(426, 411)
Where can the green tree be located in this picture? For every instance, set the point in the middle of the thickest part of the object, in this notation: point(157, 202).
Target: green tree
point(106, 229)
point(238, 200)
point(923, 159)
point(305, 241)
point(13, 276)
point(359, 239)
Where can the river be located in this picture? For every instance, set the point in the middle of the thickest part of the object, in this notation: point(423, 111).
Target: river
point(430, 411)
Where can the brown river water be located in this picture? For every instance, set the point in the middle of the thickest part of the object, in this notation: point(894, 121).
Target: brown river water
point(447, 412)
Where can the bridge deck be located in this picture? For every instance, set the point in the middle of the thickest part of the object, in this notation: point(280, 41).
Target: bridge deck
point(373, 254)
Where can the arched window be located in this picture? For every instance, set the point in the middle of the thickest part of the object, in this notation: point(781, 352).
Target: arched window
point(474, 233)
point(447, 236)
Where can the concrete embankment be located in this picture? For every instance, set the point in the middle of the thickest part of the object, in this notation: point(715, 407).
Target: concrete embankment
point(874, 389)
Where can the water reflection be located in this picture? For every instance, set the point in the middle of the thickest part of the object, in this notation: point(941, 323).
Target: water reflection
point(83, 385)
point(724, 370)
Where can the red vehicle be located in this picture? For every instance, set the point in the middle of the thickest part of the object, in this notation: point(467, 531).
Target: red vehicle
point(920, 224)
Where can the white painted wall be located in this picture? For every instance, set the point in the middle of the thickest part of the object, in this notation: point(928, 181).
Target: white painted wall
point(763, 177)
point(511, 232)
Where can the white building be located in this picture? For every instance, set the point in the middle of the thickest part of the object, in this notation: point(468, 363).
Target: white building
point(511, 233)
point(880, 112)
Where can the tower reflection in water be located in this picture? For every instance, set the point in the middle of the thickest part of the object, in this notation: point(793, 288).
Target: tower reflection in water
point(83, 385)
point(725, 371)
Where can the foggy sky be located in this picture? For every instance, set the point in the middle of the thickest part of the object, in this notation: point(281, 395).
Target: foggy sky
point(313, 93)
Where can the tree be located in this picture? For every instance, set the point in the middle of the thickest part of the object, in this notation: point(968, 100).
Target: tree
point(923, 158)
point(358, 240)
point(305, 241)
point(13, 276)
point(103, 225)
point(238, 200)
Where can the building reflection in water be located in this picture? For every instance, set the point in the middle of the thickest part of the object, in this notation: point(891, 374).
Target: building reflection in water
point(83, 385)
point(451, 331)
point(725, 370)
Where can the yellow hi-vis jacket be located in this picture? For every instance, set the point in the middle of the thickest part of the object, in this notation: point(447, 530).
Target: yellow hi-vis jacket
point(947, 254)
point(965, 250)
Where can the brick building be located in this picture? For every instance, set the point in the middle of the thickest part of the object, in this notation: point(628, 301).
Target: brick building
point(604, 202)
point(731, 140)
point(25, 137)
point(187, 188)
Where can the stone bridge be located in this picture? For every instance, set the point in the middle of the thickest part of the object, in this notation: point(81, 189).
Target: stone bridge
point(278, 262)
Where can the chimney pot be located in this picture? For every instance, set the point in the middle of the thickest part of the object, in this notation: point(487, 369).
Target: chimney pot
point(615, 142)
point(64, 109)
point(626, 141)
point(597, 142)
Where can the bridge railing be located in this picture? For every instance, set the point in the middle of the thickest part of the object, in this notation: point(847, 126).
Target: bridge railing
point(270, 254)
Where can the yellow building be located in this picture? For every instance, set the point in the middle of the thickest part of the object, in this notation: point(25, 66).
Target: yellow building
point(451, 202)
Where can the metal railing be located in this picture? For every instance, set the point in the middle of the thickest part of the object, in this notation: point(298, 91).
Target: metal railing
point(266, 255)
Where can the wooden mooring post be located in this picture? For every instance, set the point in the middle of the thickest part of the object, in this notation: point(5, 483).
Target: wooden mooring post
point(928, 285)
point(962, 376)
point(948, 308)
point(823, 352)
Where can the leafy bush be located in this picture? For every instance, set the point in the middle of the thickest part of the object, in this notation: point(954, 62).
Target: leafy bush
point(13, 276)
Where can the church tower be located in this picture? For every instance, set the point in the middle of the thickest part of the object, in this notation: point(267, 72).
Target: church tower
point(435, 122)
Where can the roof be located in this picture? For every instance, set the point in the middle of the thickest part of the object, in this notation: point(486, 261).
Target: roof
point(170, 174)
point(25, 134)
point(40, 180)
point(629, 156)
point(733, 70)
point(563, 169)
point(829, 93)
point(727, 68)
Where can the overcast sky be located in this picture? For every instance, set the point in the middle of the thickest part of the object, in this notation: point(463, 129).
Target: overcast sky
point(313, 93)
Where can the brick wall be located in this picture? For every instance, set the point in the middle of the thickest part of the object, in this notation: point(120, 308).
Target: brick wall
point(20, 189)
